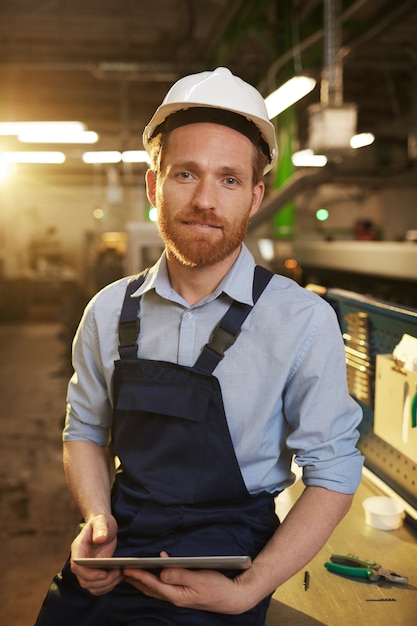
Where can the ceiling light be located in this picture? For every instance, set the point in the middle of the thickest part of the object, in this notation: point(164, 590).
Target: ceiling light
point(32, 157)
point(135, 156)
point(289, 93)
point(307, 158)
point(15, 128)
point(103, 156)
point(4, 171)
point(361, 139)
point(55, 135)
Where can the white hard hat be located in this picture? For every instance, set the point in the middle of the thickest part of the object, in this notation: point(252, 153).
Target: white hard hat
point(217, 90)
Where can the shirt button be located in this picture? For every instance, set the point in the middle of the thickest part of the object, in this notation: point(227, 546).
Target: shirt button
point(189, 315)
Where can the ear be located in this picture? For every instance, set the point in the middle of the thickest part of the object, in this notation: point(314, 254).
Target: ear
point(150, 179)
point(257, 197)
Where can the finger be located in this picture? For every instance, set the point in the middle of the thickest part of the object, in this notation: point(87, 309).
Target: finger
point(178, 576)
point(148, 584)
point(140, 575)
point(100, 529)
point(100, 584)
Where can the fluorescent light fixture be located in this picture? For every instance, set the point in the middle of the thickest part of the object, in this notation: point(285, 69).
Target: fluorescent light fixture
point(56, 135)
point(15, 128)
point(32, 157)
point(135, 156)
point(289, 93)
point(103, 156)
point(361, 139)
point(307, 158)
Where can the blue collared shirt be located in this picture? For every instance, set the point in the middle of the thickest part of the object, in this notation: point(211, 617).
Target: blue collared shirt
point(283, 382)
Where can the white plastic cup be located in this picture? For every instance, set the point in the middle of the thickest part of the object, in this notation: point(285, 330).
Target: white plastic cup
point(383, 513)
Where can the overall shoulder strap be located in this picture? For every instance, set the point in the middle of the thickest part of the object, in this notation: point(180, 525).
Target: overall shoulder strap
point(228, 329)
point(129, 320)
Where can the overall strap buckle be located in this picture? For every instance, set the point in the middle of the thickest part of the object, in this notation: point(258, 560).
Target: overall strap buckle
point(128, 333)
point(221, 340)
point(229, 327)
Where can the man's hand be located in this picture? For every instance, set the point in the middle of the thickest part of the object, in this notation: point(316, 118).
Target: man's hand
point(205, 590)
point(297, 540)
point(97, 538)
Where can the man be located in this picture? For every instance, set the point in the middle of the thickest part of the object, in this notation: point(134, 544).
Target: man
point(205, 377)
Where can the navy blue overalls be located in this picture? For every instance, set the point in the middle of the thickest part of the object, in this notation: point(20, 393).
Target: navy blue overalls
point(179, 487)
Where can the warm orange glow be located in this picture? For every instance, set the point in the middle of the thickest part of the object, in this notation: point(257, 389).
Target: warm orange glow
point(290, 264)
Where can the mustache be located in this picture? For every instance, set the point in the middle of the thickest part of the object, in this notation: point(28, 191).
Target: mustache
point(196, 217)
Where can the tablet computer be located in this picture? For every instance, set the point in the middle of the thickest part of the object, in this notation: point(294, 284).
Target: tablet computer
point(188, 562)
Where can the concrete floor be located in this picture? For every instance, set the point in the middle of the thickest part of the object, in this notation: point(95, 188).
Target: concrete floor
point(38, 516)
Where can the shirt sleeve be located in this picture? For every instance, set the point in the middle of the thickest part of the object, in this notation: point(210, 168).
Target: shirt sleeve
point(322, 416)
point(89, 411)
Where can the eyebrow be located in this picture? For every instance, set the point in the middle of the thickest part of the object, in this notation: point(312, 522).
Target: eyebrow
point(223, 170)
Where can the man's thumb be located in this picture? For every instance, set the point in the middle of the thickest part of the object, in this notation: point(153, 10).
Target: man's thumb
point(100, 530)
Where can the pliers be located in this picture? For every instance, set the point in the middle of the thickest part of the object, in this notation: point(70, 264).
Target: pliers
point(352, 566)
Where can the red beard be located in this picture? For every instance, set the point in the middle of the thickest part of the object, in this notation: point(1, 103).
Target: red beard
point(199, 249)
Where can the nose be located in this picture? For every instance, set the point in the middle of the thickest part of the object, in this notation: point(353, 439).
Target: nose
point(205, 195)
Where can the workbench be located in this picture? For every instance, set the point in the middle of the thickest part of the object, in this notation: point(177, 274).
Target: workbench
point(335, 600)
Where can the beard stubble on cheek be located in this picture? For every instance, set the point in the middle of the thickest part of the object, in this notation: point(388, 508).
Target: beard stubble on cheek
point(200, 249)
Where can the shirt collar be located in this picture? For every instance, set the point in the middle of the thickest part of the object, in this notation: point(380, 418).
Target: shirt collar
point(237, 284)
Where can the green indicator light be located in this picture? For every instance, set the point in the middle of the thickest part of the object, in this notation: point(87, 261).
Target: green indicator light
point(322, 215)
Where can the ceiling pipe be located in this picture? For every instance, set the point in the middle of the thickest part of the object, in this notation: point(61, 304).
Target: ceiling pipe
point(146, 72)
point(331, 93)
point(390, 18)
point(269, 82)
point(332, 123)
